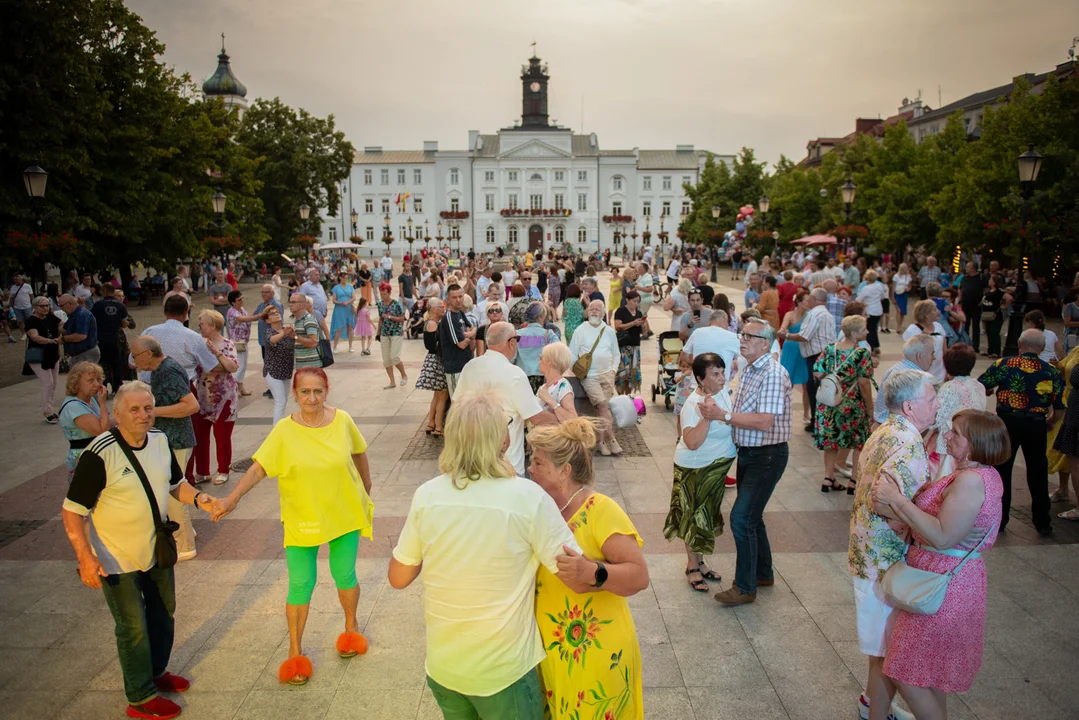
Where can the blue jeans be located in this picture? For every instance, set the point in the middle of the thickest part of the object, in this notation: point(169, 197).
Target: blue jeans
point(142, 603)
point(759, 470)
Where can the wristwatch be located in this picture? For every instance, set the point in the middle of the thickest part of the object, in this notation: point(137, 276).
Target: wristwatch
point(727, 418)
point(601, 575)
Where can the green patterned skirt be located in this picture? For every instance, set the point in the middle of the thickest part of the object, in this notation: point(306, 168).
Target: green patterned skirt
point(696, 514)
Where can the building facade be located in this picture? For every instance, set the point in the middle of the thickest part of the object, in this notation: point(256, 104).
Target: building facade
point(533, 185)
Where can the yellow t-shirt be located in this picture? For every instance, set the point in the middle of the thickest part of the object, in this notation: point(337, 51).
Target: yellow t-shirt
point(528, 259)
point(322, 495)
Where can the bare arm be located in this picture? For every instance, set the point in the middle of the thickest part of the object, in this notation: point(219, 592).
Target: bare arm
point(962, 502)
point(401, 575)
point(546, 417)
point(90, 570)
point(364, 468)
point(251, 478)
point(187, 407)
point(627, 573)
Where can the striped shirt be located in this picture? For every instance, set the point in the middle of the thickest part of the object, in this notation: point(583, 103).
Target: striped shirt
point(765, 387)
point(818, 329)
point(306, 326)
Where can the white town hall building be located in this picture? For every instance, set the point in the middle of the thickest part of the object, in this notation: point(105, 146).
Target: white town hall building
point(534, 185)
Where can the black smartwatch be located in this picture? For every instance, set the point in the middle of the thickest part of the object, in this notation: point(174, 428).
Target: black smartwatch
point(601, 575)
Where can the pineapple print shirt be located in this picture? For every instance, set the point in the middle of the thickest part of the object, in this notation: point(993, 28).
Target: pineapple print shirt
point(1025, 384)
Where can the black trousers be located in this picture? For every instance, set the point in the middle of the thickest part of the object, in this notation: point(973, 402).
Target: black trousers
point(872, 323)
point(974, 325)
point(113, 364)
point(1027, 432)
point(811, 388)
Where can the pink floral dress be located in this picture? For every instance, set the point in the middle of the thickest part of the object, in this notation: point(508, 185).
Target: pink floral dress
point(944, 651)
point(215, 390)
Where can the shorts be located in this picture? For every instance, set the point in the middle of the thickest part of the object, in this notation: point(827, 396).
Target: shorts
point(21, 315)
point(451, 382)
point(599, 388)
point(391, 349)
point(886, 305)
point(875, 617)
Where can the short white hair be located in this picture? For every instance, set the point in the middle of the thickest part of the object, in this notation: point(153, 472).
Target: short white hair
point(904, 386)
point(920, 343)
point(130, 387)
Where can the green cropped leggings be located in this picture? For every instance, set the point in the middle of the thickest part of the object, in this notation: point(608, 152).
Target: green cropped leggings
point(303, 567)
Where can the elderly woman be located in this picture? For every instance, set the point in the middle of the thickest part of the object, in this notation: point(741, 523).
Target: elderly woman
point(614, 295)
point(873, 294)
point(677, 303)
point(926, 315)
point(216, 391)
point(572, 310)
point(323, 478)
point(768, 305)
point(959, 392)
point(704, 454)
point(554, 290)
point(930, 656)
point(846, 426)
point(432, 374)
point(585, 608)
point(629, 322)
point(239, 332)
point(84, 414)
point(344, 319)
point(44, 333)
point(475, 536)
point(391, 319)
point(601, 342)
point(278, 363)
point(1054, 348)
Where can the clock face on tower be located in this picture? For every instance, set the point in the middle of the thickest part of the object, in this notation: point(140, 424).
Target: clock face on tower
point(535, 87)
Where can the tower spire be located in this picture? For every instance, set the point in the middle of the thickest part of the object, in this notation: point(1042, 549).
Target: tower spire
point(222, 43)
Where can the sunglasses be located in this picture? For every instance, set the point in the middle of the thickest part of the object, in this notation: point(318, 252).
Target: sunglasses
point(494, 311)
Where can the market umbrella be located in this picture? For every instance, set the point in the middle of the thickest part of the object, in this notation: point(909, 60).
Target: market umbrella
point(815, 240)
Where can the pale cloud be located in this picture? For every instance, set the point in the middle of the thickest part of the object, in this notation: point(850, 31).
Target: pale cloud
point(720, 74)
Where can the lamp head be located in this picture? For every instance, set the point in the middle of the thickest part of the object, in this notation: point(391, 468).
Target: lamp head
point(1030, 164)
point(34, 177)
point(217, 200)
point(848, 191)
point(305, 211)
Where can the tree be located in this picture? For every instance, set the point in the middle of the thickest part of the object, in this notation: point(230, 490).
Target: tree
point(301, 159)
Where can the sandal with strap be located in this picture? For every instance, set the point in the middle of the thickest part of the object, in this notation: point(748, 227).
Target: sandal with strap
point(698, 585)
point(1072, 515)
point(708, 574)
point(832, 485)
point(1058, 496)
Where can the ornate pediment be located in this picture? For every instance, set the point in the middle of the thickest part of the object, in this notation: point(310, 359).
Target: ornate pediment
point(535, 149)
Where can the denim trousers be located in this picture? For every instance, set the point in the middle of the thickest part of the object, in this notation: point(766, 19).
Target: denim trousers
point(759, 470)
point(142, 604)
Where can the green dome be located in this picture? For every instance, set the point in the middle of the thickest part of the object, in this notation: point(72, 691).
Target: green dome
point(223, 82)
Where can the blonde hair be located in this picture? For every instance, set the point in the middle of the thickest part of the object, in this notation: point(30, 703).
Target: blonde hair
point(558, 356)
point(568, 443)
point(922, 310)
point(684, 286)
point(74, 376)
point(475, 431)
point(214, 317)
point(871, 276)
point(852, 325)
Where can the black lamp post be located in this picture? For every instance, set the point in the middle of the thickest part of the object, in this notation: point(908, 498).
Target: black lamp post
point(35, 178)
point(387, 236)
point(848, 191)
point(217, 201)
point(305, 212)
point(355, 220)
point(410, 238)
point(715, 240)
point(634, 236)
point(439, 237)
point(1030, 164)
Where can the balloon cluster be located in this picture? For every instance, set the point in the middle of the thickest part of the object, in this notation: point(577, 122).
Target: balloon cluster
point(733, 239)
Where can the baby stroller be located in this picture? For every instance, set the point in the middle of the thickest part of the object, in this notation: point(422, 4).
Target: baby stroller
point(414, 326)
point(670, 347)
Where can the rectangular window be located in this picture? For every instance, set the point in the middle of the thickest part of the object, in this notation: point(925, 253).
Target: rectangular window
point(385, 205)
point(402, 206)
point(666, 208)
point(489, 202)
point(618, 184)
point(455, 177)
point(368, 205)
point(560, 234)
point(417, 177)
point(535, 202)
point(512, 201)
point(582, 202)
point(647, 182)
point(385, 176)
point(367, 177)
point(489, 176)
point(582, 176)
point(455, 205)
point(685, 207)
point(417, 205)
point(400, 177)
point(403, 232)
point(616, 208)
point(559, 201)
point(370, 233)
point(333, 234)
point(513, 175)
point(582, 234)
point(646, 209)
point(687, 179)
point(666, 182)
point(560, 176)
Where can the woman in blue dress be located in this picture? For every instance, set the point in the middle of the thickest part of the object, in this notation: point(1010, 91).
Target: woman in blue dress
point(344, 318)
point(791, 357)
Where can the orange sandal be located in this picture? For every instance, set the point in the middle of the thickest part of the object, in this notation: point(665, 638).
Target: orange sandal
point(295, 671)
point(351, 644)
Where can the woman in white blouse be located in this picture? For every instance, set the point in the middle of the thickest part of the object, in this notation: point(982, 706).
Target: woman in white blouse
point(872, 295)
point(900, 287)
point(959, 392)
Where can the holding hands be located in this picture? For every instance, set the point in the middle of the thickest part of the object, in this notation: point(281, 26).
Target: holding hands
point(886, 492)
point(575, 570)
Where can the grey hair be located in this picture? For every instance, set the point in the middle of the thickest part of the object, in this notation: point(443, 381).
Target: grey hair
point(719, 317)
point(904, 386)
point(830, 286)
point(1033, 339)
point(767, 331)
point(130, 387)
point(150, 343)
point(934, 289)
point(40, 299)
point(920, 343)
point(820, 295)
point(852, 325)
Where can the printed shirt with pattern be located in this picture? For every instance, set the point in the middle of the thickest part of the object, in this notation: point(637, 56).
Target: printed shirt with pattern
point(1025, 383)
point(306, 326)
point(896, 452)
point(390, 327)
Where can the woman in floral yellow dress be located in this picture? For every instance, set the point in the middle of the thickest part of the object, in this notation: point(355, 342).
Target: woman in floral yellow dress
point(593, 665)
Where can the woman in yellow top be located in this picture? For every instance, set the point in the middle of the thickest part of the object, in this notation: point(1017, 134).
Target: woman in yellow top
point(1058, 461)
point(593, 664)
point(614, 297)
point(324, 480)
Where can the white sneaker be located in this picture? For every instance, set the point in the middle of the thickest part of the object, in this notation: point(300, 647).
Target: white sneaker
point(897, 712)
point(604, 450)
point(616, 449)
point(190, 555)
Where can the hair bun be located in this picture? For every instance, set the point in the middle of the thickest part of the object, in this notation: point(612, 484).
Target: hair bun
point(581, 430)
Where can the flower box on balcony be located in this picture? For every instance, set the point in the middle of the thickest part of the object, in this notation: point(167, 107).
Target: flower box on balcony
point(618, 219)
point(454, 214)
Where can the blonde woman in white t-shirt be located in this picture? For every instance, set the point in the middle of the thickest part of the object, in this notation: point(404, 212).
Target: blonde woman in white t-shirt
point(556, 394)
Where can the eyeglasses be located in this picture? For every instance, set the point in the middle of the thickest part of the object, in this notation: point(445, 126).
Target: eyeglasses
point(751, 335)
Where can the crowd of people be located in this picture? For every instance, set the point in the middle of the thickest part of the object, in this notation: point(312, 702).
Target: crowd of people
point(519, 348)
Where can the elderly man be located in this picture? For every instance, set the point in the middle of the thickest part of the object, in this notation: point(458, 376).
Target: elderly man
point(928, 273)
point(971, 289)
point(817, 332)
point(111, 317)
point(761, 428)
point(753, 292)
point(184, 345)
point(917, 355)
point(21, 299)
point(456, 335)
point(602, 341)
point(1029, 400)
point(304, 332)
point(314, 291)
point(219, 292)
point(835, 304)
point(484, 281)
point(851, 275)
point(531, 291)
point(494, 371)
point(269, 299)
point(80, 331)
point(108, 521)
point(589, 289)
point(386, 263)
point(84, 291)
point(715, 338)
point(894, 453)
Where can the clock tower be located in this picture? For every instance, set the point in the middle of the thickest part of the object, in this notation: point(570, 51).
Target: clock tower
point(534, 94)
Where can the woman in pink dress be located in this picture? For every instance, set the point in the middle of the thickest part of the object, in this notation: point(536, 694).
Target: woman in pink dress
point(932, 655)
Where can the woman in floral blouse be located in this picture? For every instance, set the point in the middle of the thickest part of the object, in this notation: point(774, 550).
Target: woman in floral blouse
point(218, 403)
point(959, 392)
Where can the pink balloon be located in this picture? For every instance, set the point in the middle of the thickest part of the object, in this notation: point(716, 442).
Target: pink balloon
point(740, 217)
point(749, 210)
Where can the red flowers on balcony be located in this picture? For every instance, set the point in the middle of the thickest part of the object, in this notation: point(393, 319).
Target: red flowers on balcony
point(618, 219)
point(534, 212)
point(454, 214)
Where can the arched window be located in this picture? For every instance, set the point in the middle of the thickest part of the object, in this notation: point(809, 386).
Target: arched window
point(582, 234)
point(536, 177)
point(560, 234)
point(513, 235)
point(490, 234)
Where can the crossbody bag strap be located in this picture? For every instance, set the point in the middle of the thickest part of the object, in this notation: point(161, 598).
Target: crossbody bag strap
point(977, 547)
point(596, 343)
point(137, 467)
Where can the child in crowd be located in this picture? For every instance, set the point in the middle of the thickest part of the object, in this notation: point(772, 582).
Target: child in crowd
point(364, 329)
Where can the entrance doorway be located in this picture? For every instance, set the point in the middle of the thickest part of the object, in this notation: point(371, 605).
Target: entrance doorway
point(535, 239)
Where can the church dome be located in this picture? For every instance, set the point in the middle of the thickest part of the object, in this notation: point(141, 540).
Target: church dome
point(223, 81)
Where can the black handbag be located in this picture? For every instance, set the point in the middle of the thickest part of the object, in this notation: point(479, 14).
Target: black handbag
point(164, 542)
point(35, 353)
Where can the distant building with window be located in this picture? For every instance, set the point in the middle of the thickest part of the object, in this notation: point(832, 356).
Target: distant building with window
point(817, 148)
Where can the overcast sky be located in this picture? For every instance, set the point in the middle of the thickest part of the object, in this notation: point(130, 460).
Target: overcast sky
point(718, 74)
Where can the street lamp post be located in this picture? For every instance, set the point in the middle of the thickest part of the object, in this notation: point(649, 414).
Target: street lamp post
point(715, 240)
point(634, 236)
point(35, 178)
point(847, 192)
point(387, 236)
point(1029, 164)
point(439, 235)
point(305, 212)
point(765, 205)
point(355, 221)
point(410, 238)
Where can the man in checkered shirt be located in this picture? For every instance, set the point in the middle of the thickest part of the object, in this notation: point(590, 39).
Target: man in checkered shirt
point(817, 332)
point(760, 427)
point(929, 273)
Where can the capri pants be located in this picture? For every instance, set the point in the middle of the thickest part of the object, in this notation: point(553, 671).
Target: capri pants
point(303, 567)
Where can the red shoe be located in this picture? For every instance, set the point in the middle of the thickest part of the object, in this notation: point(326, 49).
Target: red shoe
point(295, 671)
point(731, 482)
point(158, 708)
point(172, 683)
point(350, 644)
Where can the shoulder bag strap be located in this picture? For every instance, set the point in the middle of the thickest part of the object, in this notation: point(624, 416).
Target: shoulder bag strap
point(141, 473)
point(596, 343)
point(977, 547)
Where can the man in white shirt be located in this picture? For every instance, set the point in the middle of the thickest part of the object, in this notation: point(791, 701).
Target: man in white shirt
point(22, 296)
point(673, 268)
point(484, 281)
point(495, 371)
point(602, 341)
point(751, 269)
point(647, 257)
point(386, 262)
point(715, 338)
point(817, 332)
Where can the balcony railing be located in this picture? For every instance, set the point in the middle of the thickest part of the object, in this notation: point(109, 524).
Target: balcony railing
point(454, 214)
point(535, 212)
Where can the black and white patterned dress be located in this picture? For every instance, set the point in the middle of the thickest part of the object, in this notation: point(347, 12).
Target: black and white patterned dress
point(1067, 440)
point(432, 374)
